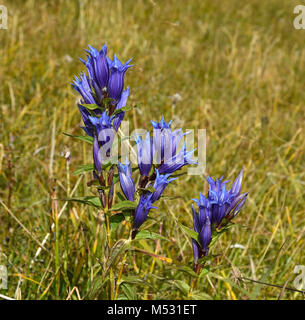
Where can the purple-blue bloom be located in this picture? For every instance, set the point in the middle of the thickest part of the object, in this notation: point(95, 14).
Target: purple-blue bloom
point(126, 181)
point(202, 226)
point(121, 104)
point(177, 161)
point(105, 133)
point(116, 79)
point(82, 86)
point(160, 184)
point(145, 154)
point(162, 124)
point(220, 204)
point(98, 69)
point(142, 210)
point(96, 155)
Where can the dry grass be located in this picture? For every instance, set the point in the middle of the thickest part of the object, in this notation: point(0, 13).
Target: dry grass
point(239, 69)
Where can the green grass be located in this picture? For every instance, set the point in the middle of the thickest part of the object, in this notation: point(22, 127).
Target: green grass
point(239, 68)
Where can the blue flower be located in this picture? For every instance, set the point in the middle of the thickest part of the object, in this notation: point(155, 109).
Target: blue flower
point(142, 210)
point(98, 69)
point(222, 203)
point(89, 128)
point(116, 79)
point(121, 104)
point(177, 161)
point(145, 154)
point(126, 181)
point(105, 133)
point(202, 226)
point(97, 155)
point(160, 184)
point(162, 124)
point(82, 86)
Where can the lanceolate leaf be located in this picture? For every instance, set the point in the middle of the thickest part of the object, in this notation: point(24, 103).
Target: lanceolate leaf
point(116, 219)
point(84, 168)
point(124, 109)
point(146, 234)
point(91, 106)
point(191, 233)
point(90, 200)
point(124, 205)
point(82, 138)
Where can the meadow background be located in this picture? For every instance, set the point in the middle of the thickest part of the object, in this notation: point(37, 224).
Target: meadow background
point(239, 69)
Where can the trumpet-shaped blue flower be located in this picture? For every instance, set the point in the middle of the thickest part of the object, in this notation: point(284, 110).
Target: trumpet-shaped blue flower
point(162, 124)
point(98, 69)
point(121, 104)
point(82, 86)
point(145, 154)
point(202, 226)
point(116, 79)
point(105, 133)
point(88, 128)
point(160, 184)
point(97, 158)
point(126, 181)
point(220, 204)
point(166, 141)
point(176, 162)
point(142, 210)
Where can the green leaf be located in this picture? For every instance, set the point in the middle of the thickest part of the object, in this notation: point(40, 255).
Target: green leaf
point(182, 286)
point(146, 234)
point(129, 292)
point(124, 109)
point(115, 220)
point(148, 189)
point(197, 295)
point(116, 251)
point(191, 233)
point(90, 200)
point(82, 138)
point(90, 106)
point(124, 205)
point(84, 168)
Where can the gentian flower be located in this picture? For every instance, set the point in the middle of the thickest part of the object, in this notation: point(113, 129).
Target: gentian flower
point(126, 181)
point(142, 210)
point(160, 184)
point(145, 154)
point(105, 132)
point(220, 204)
point(162, 124)
point(82, 86)
point(202, 226)
point(96, 155)
point(177, 161)
point(89, 128)
point(116, 79)
point(98, 69)
point(121, 104)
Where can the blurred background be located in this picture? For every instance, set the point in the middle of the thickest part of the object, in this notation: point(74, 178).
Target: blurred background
point(238, 70)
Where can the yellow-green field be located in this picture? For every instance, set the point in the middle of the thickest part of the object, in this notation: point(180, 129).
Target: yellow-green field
point(239, 67)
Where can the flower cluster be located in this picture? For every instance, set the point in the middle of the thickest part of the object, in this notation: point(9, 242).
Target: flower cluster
point(159, 155)
point(162, 147)
point(102, 97)
point(215, 211)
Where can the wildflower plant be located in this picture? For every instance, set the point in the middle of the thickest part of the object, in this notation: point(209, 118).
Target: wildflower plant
point(128, 195)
